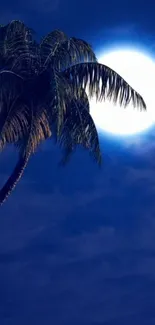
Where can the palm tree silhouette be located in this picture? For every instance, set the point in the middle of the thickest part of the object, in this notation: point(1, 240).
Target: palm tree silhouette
point(43, 93)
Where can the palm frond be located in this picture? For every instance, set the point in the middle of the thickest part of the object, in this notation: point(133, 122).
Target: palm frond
point(2, 37)
point(59, 98)
point(37, 130)
point(28, 63)
point(15, 128)
point(18, 49)
point(8, 73)
point(79, 129)
point(83, 99)
point(60, 51)
point(81, 50)
point(17, 37)
point(11, 88)
point(40, 131)
point(49, 44)
point(104, 83)
point(72, 52)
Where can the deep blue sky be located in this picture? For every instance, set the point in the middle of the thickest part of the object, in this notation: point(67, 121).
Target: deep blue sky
point(77, 245)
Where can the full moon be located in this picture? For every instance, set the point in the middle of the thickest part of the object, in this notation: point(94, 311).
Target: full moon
point(138, 70)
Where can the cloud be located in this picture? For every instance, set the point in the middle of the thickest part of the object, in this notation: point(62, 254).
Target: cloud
point(77, 245)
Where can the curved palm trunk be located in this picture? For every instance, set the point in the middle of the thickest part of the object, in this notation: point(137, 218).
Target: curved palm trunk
point(14, 178)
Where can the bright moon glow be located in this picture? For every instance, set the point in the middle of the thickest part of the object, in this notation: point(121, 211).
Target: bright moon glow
point(139, 71)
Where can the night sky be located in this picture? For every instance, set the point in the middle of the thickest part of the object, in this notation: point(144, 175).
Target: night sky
point(77, 244)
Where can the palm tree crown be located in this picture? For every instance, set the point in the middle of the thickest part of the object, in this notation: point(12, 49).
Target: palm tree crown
point(43, 94)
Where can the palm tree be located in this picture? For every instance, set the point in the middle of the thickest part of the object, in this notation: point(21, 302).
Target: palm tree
point(43, 94)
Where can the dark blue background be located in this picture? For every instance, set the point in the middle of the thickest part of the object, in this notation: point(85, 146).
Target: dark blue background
point(77, 244)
